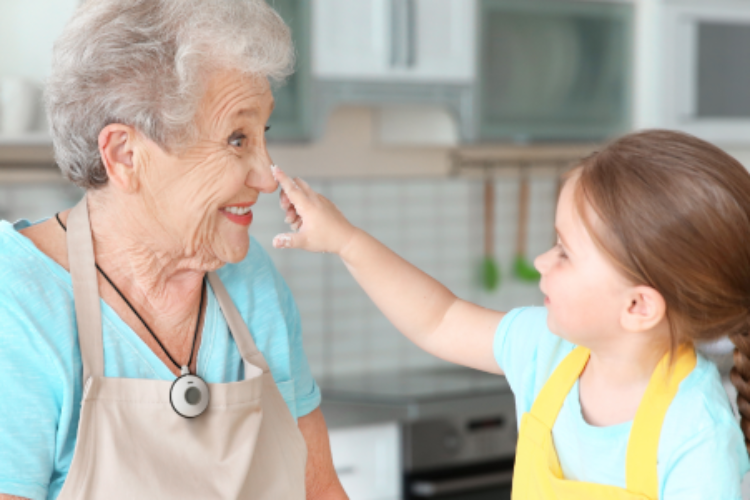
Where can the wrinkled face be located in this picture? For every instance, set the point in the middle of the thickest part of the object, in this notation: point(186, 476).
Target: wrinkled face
point(585, 293)
point(201, 197)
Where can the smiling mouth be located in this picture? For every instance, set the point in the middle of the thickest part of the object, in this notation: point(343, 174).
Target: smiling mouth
point(237, 210)
point(239, 214)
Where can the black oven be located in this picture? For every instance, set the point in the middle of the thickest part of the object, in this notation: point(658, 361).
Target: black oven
point(457, 428)
point(483, 481)
point(467, 454)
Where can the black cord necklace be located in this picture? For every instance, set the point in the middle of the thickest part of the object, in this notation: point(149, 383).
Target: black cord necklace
point(197, 324)
point(189, 394)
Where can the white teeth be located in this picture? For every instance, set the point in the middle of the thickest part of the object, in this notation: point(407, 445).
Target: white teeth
point(237, 210)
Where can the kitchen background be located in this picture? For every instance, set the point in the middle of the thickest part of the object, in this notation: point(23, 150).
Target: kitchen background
point(407, 113)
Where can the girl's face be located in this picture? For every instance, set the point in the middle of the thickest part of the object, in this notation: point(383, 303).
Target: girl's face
point(585, 294)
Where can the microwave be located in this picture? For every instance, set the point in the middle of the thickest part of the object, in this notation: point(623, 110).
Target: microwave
point(705, 69)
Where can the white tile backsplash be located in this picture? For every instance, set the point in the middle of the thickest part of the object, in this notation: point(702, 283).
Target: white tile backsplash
point(435, 224)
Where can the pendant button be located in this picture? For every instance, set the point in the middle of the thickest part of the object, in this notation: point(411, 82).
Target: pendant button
point(189, 395)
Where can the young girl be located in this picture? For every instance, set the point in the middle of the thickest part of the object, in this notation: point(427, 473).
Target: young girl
point(653, 253)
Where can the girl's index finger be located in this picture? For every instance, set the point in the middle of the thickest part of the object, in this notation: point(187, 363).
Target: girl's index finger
point(292, 190)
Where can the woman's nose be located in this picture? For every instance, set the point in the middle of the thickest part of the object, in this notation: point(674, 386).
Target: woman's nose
point(260, 176)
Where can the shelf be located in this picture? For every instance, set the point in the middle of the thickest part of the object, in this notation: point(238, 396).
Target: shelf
point(30, 175)
point(29, 150)
point(480, 160)
point(30, 139)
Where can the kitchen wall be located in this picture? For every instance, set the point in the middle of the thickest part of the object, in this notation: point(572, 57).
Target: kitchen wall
point(435, 224)
point(28, 29)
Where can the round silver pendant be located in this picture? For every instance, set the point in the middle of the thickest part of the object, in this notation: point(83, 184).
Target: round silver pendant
point(189, 396)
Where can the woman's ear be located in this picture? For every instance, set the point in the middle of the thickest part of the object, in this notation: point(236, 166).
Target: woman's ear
point(117, 145)
point(646, 309)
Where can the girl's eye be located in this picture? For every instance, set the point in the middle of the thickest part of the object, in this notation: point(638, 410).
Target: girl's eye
point(236, 140)
point(268, 127)
point(560, 251)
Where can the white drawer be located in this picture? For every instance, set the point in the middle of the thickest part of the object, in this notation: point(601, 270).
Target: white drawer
point(368, 461)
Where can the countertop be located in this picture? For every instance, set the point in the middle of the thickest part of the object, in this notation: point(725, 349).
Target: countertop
point(411, 395)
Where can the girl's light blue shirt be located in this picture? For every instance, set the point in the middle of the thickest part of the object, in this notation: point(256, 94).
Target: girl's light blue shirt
point(701, 453)
point(40, 362)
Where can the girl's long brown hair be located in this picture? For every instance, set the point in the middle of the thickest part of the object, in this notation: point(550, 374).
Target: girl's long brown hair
point(675, 216)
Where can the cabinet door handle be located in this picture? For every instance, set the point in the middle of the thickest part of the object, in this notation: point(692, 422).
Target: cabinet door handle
point(433, 489)
point(411, 33)
point(396, 32)
point(404, 33)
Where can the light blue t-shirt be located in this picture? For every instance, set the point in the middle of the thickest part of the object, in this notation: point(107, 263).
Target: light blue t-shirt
point(701, 453)
point(40, 361)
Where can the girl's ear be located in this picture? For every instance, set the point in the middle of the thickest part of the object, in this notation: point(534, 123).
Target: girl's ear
point(646, 309)
point(117, 144)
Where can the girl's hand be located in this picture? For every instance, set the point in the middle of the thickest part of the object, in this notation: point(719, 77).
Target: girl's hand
point(320, 226)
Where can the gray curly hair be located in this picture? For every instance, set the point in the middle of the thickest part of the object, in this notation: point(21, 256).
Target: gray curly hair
point(144, 63)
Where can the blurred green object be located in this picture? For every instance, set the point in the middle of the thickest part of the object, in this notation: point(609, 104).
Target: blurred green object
point(525, 270)
point(490, 271)
point(522, 268)
point(490, 274)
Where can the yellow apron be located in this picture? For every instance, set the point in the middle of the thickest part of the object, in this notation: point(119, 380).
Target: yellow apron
point(537, 473)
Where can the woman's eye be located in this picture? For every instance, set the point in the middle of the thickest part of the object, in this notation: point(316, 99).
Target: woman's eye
point(236, 140)
point(268, 127)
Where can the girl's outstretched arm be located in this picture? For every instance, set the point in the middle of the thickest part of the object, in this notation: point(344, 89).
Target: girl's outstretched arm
point(418, 305)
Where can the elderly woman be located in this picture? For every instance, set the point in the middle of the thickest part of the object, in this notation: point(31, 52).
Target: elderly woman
point(129, 325)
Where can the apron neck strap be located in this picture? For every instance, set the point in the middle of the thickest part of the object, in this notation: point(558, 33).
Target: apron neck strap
point(643, 445)
point(552, 396)
point(237, 326)
point(640, 468)
point(85, 291)
point(88, 307)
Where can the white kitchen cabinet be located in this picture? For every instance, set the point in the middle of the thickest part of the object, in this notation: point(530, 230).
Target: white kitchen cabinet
point(368, 461)
point(28, 29)
point(693, 70)
point(445, 40)
point(350, 38)
point(394, 40)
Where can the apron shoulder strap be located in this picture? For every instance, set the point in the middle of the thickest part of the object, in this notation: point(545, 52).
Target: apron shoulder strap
point(640, 470)
point(88, 308)
point(552, 396)
point(85, 291)
point(237, 327)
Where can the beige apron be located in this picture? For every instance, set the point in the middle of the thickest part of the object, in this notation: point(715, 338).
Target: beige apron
point(132, 445)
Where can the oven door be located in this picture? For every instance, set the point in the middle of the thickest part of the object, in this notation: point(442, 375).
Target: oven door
point(486, 481)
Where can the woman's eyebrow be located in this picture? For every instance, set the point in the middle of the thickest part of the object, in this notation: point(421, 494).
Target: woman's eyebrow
point(253, 111)
point(247, 112)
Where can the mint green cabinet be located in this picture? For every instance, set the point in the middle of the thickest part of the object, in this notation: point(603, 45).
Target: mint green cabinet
point(291, 119)
point(554, 70)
